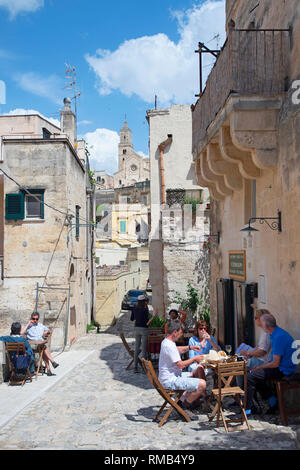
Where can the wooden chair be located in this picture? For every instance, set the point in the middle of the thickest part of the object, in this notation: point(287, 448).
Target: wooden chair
point(282, 386)
point(16, 349)
point(170, 397)
point(225, 374)
point(130, 351)
point(39, 367)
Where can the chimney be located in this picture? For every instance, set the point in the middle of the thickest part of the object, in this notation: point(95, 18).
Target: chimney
point(68, 121)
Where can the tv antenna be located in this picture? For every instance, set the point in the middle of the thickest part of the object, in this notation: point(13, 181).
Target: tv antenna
point(71, 84)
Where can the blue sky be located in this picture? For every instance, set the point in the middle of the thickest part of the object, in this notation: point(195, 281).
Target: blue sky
point(124, 54)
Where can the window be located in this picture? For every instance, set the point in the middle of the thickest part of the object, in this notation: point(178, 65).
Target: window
point(46, 133)
point(124, 152)
point(123, 226)
point(26, 206)
point(34, 206)
point(77, 226)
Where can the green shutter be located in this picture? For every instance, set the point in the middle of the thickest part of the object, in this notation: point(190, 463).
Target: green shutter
point(123, 226)
point(14, 206)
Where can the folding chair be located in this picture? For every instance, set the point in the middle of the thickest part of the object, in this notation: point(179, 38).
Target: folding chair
point(130, 351)
point(170, 397)
point(16, 349)
point(225, 374)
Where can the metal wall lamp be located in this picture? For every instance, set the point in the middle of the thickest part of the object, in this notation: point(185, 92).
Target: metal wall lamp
point(276, 223)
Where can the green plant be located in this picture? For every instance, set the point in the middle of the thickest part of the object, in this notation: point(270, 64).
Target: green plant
point(93, 326)
point(92, 178)
point(207, 245)
point(193, 201)
point(192, 299)
point(158, 322)
point(205, 314)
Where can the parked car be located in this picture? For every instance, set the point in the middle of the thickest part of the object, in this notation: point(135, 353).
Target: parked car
point(131, 298)
point(149, 287)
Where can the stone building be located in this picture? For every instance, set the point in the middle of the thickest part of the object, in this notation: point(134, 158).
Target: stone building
point(103, 180)
point(46, 240)
point(132, 167)
point(177, 236)
point(246, 152)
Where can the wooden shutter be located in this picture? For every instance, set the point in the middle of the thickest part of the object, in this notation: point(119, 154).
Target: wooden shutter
point(14, 206)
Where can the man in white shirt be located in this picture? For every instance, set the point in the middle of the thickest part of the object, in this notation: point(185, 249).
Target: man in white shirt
point(36, 331)
point(171, 365)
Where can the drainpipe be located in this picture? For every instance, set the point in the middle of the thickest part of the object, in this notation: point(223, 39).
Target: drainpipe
point(162, 146)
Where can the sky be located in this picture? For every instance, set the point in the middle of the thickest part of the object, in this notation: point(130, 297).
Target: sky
point(124, 54)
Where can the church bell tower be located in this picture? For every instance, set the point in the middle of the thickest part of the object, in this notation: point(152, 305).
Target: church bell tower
point(125, 145)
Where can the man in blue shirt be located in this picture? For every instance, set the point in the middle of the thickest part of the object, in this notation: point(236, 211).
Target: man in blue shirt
point(280, 365)
point(37, 332)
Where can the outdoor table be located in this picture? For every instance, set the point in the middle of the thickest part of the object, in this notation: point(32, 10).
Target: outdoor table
point(227, 382)
point(40, 348)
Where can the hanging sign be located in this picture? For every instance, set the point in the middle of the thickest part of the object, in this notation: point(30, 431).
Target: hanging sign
point(237, 265)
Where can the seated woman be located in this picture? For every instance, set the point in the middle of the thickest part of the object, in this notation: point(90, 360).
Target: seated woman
point(15, 337)
point(204, 340)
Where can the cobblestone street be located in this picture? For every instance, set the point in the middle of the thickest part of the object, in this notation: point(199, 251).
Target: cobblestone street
point(100, 405)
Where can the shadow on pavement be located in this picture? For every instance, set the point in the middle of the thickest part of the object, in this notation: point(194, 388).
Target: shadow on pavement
point(117, 359)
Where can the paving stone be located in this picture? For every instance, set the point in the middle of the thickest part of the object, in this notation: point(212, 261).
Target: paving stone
point(100, 405)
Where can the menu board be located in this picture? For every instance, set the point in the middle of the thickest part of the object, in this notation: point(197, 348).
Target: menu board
point(237, 265)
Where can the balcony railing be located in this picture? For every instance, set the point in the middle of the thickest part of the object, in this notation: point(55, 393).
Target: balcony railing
point(251, 62)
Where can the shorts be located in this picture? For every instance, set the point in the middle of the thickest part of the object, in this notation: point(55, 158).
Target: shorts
point(183, 382)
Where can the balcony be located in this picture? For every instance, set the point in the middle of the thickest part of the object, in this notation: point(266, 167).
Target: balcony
point(235, 119)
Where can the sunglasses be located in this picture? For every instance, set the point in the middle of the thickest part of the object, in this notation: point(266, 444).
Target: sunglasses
point(202, 329)
point(35, 319)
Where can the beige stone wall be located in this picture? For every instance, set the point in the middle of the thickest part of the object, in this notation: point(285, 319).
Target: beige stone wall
point(33, 249)
point(276, 256)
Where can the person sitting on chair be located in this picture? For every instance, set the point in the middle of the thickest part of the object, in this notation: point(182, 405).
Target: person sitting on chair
point(202, 339)
point(15, 337)
point(174, 315)
point(36, 331)
point(171, 365)
point(262, 352)
point(279, 366)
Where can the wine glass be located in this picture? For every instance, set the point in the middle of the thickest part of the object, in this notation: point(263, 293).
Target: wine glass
point(228, 349)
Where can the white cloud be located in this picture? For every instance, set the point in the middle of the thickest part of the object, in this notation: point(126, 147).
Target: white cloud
point(45, 87)
point(142, 154)
point(156, 65)
point(103, 148)
point(17, 6)
point(21, 112)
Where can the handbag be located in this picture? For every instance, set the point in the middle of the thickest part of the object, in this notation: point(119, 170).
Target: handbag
point(21, 361)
